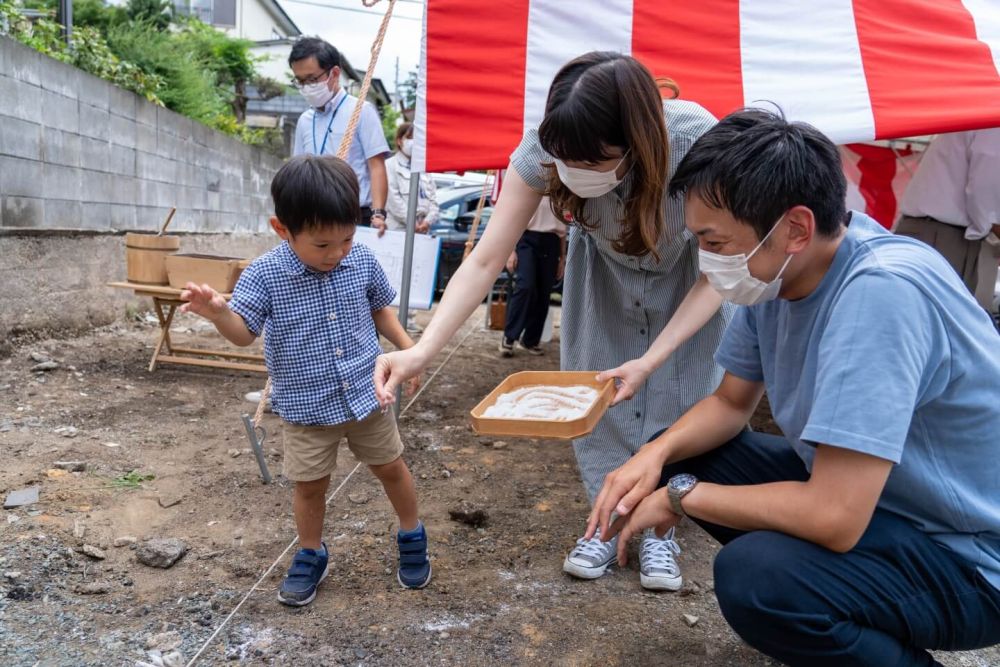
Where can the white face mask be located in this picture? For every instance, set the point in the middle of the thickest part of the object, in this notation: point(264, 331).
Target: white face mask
point(730, 275)
point(407, 147)
point(317, 94)
point(588, 183)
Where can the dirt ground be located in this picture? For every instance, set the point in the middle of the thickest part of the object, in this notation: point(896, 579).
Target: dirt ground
point(498, 594)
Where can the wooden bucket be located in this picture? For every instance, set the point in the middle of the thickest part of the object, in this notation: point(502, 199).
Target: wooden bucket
point(145, 255)
point(498, 310)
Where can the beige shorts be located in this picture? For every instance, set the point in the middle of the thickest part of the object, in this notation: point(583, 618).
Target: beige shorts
point(311, 451)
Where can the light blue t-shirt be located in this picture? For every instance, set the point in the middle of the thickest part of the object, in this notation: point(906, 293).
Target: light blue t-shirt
point(320, 133)
point(890, 356)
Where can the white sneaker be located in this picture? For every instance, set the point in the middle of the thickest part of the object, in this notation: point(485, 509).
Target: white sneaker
point(590, 558)
point(658, 570)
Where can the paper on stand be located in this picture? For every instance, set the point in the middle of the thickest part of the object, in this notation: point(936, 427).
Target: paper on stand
point(389, 251)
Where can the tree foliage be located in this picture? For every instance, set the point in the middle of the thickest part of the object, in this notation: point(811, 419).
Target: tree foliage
point(177, 62)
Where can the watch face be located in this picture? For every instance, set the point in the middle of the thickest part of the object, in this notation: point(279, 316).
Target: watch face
point(683, 482)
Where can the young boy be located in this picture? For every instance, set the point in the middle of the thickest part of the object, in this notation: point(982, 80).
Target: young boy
point(321, 302)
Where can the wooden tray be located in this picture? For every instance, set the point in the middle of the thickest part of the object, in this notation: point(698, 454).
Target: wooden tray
point(543, 428)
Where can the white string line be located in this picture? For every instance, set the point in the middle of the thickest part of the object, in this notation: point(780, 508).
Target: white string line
point(328, 500)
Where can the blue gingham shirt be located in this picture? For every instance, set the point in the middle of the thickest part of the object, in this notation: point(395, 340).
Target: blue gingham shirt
point(320, 342)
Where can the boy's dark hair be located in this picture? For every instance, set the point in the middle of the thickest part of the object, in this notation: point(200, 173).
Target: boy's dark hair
point(312, 191)
point(757, 165)
point(327, 56)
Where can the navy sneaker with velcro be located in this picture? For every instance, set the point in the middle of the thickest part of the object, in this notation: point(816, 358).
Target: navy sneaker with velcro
point(414, 565)
point(309, 568)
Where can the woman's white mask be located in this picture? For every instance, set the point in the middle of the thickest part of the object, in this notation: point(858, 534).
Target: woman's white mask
point(730, 275)
point(588, 183)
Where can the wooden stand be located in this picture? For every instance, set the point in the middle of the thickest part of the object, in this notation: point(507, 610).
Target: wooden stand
point(166, 300)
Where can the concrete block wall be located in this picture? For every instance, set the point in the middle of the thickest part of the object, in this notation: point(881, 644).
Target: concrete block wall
point(77, 152)
point(81, 163)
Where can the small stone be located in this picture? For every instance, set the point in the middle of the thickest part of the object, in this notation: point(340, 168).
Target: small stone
point(358, 497)
point(233, 453)
point(124, 541)
point(40, 358)
point(164, 641)
point(72, 466)
point(93, 588)
point(690, 620)
point(499, 444)
point(160, 552)
point(46, 366)
point(446, 473)
point(111, 444)
point(67, 431)
point(79, 529)
point(173, 659)
point(21, 497)
point(53, 473)
point(444, 635)
point(13, 575)
point(166, 499)
point(93, 552)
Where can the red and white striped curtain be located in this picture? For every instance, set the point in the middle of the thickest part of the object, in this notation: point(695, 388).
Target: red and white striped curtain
point(857, 69)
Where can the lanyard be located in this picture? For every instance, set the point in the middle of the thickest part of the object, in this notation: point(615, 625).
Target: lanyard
point(326, 135)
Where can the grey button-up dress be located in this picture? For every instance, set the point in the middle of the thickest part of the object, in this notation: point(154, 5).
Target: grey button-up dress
point(615, 305)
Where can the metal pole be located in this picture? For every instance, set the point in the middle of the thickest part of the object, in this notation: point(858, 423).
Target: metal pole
point(411, 231)
point(66, 20)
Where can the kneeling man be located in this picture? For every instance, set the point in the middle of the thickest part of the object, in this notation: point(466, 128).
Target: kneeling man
point(870, 532)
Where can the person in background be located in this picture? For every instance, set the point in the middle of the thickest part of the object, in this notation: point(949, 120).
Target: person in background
point(397, 169)
point(953, 205)
point(319, 130)
point(397, 203)
point(536, 264)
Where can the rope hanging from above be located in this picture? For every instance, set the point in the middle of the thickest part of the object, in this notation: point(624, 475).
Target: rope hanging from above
point(345, 143)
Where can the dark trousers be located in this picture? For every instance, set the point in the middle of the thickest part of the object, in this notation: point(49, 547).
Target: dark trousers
point(883, 603)
point(366, 216)
point(537, 264)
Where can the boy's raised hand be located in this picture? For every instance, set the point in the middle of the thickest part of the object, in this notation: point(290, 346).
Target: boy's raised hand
point(203, 300)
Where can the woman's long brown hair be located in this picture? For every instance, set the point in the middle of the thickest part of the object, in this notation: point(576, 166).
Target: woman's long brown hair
point(602, 100)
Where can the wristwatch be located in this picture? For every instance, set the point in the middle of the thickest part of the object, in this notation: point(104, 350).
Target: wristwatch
point(378, 213)
point(677, 487)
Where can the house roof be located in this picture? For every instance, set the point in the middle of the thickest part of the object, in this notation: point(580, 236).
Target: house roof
point(284, 20)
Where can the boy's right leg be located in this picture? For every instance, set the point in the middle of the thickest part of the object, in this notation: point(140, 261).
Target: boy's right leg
point(309, 508)
point(310, 457)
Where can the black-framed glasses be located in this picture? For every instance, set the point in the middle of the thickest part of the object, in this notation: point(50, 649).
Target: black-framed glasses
point(315, 78)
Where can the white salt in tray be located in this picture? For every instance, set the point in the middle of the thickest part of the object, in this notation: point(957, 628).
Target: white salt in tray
point(552, 405)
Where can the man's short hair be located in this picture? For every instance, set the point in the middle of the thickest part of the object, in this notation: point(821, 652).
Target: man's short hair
point(313, 191)
point(757, 165)
point(326, 54)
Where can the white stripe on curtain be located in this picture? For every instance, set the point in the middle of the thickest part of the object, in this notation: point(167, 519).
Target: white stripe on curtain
point(810, 60)
point(558, 31)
